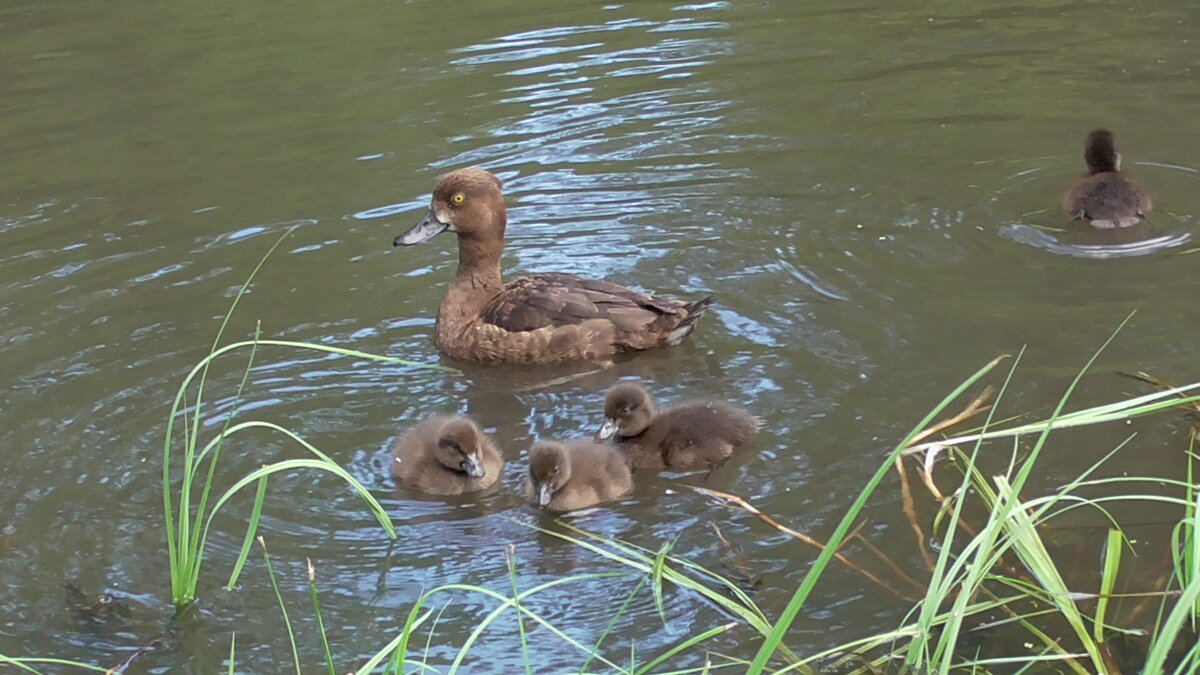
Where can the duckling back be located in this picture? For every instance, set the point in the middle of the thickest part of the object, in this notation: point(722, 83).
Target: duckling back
point(417, 463)
point(691, 437)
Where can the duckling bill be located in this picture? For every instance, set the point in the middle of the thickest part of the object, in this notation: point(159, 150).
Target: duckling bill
point(1106, 198)
point(446, 456)
point(542, 318)
point(687, 437)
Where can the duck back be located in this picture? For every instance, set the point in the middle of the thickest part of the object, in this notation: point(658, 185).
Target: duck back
point(1107, 200)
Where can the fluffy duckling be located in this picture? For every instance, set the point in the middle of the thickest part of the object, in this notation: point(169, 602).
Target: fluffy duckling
point(1106, 198)
point(446, 456)
point(688, 437)
point(575, 475)
point(542, 318)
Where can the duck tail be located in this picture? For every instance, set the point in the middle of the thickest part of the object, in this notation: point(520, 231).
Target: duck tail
point(694, 310)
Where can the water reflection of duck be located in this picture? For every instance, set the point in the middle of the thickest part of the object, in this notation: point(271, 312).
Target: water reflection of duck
point(542, 318)
point(446, 456)
point(575, 475)
point(688, 437)
point(1106, 198)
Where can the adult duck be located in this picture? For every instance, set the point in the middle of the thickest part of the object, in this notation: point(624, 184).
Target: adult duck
point(1106, 198)
point(542, 318)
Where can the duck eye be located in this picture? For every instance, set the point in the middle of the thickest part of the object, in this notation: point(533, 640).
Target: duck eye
point(458, 199)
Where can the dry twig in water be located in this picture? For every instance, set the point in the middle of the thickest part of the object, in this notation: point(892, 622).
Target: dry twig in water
point(749, 508)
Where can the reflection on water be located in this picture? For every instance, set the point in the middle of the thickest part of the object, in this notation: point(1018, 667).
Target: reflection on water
point(1083, 241)
point(837, 177)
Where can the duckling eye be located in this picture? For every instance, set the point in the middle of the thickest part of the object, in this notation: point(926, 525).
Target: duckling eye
point(458, 199)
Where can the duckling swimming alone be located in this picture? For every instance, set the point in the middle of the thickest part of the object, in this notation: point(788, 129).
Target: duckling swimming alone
point(542, 318)
point(688, 437)
point(575, 475)
point(446, 456)
point(1106, 198)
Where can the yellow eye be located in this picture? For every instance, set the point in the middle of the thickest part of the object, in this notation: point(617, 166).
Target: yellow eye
point(458, 199)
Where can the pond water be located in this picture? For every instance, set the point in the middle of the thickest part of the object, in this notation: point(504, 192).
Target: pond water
point(870, 191)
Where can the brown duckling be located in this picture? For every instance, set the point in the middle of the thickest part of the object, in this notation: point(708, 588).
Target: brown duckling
point(446, 456)
point(1106, 198)
point(575, 475)
point(542, 318)
point(688, 437)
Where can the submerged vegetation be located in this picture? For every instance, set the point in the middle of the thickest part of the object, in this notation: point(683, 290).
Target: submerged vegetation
point(989, 567)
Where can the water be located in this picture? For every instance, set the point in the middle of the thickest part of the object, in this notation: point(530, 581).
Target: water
point(871, 193)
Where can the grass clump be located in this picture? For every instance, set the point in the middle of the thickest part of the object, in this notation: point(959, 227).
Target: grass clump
point(187, 516)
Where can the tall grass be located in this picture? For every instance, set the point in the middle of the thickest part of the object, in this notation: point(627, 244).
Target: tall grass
point(188, 516)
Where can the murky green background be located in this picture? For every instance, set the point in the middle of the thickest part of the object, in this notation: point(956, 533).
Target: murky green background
point(862, 186)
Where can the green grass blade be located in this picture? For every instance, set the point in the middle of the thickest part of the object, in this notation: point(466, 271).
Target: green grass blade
point(260, 496)
point(287, 465)
point(656, 579)
point(1168, 634)
point(202, 507)
point(232, 652)
point(684, 646)
point(510, 555)
point(1108, 579)
point(287, 622)
point(316, 603)
point(611, 624)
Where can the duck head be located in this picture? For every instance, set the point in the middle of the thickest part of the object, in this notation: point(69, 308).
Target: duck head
point(458, 448)
point(549, 470)
point(468, 202)
point(1100, 152)
point(628, 410)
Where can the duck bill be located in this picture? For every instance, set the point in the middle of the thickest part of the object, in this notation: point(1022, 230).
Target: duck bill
point(427, 229)
point(473, 467)
point(606, 432)
point(541, 497)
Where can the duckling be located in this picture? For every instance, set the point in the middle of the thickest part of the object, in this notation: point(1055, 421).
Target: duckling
point(688, 437)
point(542, 318)
point(575, 475)
point(1106, 198)
point(446, 456)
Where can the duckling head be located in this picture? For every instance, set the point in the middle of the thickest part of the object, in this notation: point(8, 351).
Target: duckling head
point(1100, 152)
point(468, 202)
point(458, 448)
point(628, 410)
point(549, 470)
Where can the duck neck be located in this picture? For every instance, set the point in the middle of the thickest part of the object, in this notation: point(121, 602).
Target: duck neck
point(479, 263)
point(475, 284)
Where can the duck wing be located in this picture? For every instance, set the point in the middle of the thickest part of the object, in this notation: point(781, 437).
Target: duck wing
point(553, 300)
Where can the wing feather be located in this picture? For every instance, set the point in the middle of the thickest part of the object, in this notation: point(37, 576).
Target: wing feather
point(553, 300)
